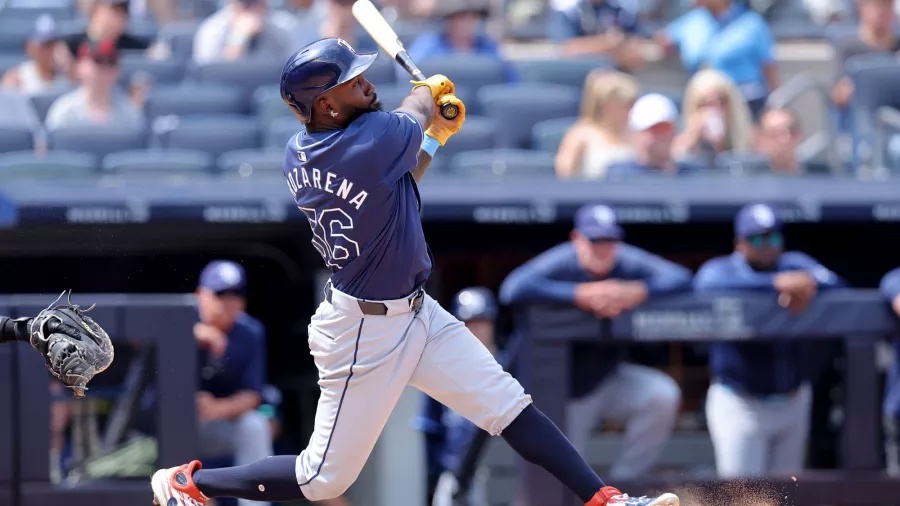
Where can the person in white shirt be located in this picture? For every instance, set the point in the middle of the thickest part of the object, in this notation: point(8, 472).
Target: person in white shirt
point(97, 101)
point(241, 29)
point(43, 71)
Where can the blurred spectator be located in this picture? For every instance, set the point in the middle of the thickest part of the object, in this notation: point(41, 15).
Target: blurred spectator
point(600, 137)
point(890, 288)
point(462, 33)
point(340, 22)
point(596, 272)
point(97, 101)
point(758, 404)
point(107, 20)
point(716, 119)
point(653, 121)
point(232, 365)
point(778, 138)
point(242, 28)
point(727, 36)
point(43, 71)
point(598, 28)
point(303, 19)
point(875, 34)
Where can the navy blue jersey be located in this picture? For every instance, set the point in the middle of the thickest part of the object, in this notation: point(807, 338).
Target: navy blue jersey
point(759, 367)
point(355, 188)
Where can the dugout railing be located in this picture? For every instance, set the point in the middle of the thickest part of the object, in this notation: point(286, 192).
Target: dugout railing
point(857, 317)
point(162, 323)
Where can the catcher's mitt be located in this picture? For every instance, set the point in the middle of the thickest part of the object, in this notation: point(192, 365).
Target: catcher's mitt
point(74, 347)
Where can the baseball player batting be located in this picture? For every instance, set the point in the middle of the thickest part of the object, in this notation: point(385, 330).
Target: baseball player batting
point(353, 171)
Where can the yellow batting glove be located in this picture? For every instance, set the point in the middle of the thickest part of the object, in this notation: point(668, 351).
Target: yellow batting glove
point(442, 128)
point(439, 85)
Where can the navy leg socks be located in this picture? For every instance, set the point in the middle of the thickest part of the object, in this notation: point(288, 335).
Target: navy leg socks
point(271, 479)
point(537, 439)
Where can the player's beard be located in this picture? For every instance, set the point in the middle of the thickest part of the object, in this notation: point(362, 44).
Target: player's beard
point(374, 105)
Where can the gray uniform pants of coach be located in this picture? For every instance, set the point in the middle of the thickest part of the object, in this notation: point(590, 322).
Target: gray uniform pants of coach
point(754, 436)
point(645, 399)
point(247, 439)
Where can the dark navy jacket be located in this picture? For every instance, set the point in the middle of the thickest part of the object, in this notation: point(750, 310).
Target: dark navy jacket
point(890, 288)
point(552, 277)
point(759, 368)
point(242, 367)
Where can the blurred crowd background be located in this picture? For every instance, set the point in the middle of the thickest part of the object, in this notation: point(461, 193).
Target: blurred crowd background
point(730, 86)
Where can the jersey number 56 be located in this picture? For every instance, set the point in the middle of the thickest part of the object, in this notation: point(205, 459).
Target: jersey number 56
point(329, 228)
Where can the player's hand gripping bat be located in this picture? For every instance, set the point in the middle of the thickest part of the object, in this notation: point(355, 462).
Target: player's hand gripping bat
point(374, 23)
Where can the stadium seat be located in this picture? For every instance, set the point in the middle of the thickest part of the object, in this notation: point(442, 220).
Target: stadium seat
point(466, 71)
point(478, 134)
point(191, 99)
point(517, 109)
point(548, 134)
point(53, 165)
point(564, 71)
point(13, 34)
point(250, 163)
point(29, 15)
point(742, 164)
point(178, 37)
point(43, 101)
point(211, 134)
point(162, 71)
point(15, 138)
point(247, 75)
point(493, 163)
point(158, 161)
point(280, 130)
point(9, 59)
point(875, 86)
point(268, 105)
point(99, 140)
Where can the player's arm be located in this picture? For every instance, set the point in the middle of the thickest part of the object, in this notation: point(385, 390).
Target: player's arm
point(419, 104)
point(659, 276)
point(543, 279)
point(823, 276)
point(13, 330)
point(721, 274)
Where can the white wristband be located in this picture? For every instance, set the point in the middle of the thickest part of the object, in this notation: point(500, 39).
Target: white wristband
point(430, 145)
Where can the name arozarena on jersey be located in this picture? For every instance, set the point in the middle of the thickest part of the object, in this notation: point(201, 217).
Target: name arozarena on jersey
point(298, 178)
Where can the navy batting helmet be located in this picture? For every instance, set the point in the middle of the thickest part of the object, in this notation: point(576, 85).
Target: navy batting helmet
point(475, 303)
point(317, 68)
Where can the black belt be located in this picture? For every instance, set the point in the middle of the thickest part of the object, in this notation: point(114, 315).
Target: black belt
point(377, 308)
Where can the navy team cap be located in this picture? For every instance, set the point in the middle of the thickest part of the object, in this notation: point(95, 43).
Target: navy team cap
point(222, 276)
point(756, 219)
point(598, 222)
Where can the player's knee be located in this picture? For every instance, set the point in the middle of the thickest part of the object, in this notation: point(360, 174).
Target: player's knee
point(330, 489)
point(665, 399)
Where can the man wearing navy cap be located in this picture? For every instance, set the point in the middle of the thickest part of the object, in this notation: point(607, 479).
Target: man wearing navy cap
point(758, 405)
point(232, 369)
point(597, 272)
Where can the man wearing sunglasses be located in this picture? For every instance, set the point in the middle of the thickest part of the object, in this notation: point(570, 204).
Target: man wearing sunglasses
point(759, 401)
point(597, 272)
point(97, 101)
